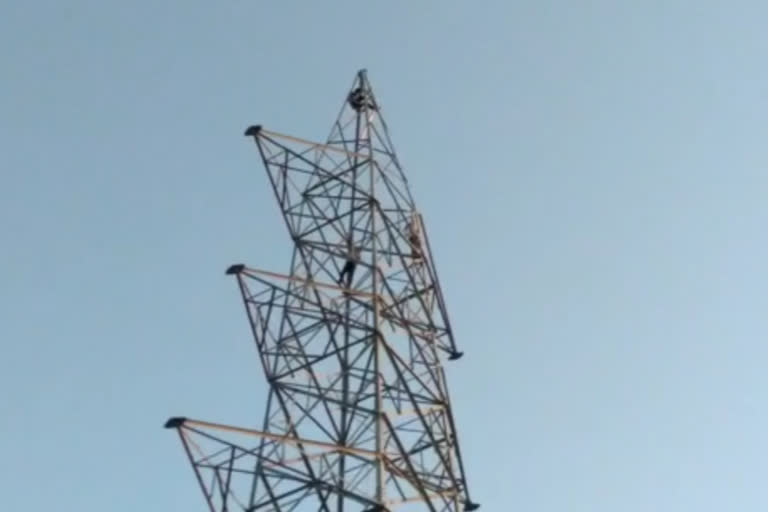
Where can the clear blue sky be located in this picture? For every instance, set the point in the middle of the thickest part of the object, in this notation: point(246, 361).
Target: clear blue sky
point(594, 180)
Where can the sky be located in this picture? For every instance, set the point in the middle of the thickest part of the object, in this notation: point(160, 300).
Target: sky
point(593, 177)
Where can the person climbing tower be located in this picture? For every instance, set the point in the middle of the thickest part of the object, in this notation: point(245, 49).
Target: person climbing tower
point(360, 99)
point(414, 238)
point(353, 258)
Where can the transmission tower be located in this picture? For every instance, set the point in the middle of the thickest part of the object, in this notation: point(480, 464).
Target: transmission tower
point(352, 341)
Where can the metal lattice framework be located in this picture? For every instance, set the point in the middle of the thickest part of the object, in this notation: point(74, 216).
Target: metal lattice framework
point(352, 341)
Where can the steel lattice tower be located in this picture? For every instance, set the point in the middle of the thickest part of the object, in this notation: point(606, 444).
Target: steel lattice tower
point(358, 413)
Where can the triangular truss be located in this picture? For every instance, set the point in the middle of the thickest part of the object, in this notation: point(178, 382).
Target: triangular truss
point(352, 341)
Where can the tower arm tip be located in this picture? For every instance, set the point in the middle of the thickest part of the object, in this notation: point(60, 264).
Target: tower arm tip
point(235, 269)
point(175, 422)
point(253, 130)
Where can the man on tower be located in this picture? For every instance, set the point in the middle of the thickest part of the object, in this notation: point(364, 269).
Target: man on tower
point(414, 238)
point(359, 99)
point(353, 258)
